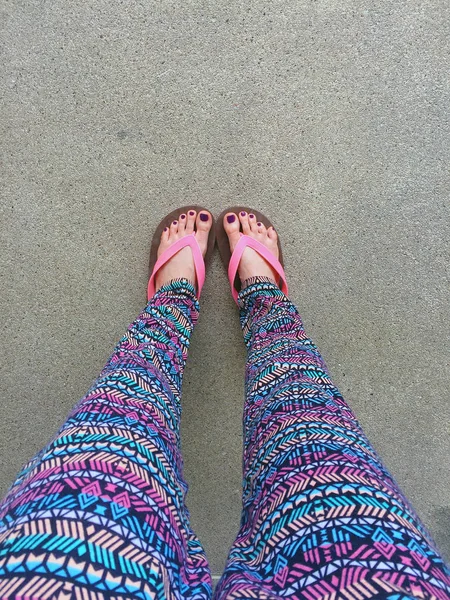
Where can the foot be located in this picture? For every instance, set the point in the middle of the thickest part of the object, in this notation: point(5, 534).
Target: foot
point(182, 263)
point(252, 264)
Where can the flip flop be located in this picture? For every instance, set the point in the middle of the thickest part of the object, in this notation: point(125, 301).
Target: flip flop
point(189, 240)
point(231, 261)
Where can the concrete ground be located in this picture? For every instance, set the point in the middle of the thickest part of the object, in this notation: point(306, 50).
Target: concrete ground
point(332, 117)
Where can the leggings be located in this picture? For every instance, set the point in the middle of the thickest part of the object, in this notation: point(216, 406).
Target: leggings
point(100, 512)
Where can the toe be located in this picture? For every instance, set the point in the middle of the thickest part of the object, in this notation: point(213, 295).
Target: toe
point(165, 235)
point(203, 226)
point(190, 221)
point(182, 223)
point(203, 221)
point(272, 234)
point(174, 228)
point(261, 228)
point(232, 228)
point(243, 218)
point(231, 223)
point(252, 222)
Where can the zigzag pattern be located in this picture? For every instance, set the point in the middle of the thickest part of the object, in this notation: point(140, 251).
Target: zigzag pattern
point(99, 514)
point(322, 517)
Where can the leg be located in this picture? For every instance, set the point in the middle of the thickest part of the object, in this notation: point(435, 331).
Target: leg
point(322, 517)
point(100, 513)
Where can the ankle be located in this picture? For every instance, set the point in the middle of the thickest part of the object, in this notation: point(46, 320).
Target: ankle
point(257, 279)
point(179, 284)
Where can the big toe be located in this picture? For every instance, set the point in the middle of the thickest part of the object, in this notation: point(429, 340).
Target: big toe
point(203, 226)
point(232, 228)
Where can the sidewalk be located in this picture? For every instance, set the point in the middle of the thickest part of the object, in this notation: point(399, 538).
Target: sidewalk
point(330, 117)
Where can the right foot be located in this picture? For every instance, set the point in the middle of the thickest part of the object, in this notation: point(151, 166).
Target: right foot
point(182, 263)
point(252, 264)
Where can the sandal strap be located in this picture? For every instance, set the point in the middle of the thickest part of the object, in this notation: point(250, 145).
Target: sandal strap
point(249, 242)
point(199, 264)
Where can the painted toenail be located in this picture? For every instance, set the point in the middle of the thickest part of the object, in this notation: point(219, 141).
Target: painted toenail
point(251, 216)
point(231, 218)
point(204, 217)
point(166, 228)
point(183, 217)
point(192, 213)
point(175, 222)
point(259, 224)
point(243, 213)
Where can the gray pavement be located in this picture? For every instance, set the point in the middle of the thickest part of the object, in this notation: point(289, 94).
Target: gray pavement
point(332, 117)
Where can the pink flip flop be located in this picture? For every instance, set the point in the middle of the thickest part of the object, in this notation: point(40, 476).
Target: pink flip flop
point(231, 261)
point(189, 240)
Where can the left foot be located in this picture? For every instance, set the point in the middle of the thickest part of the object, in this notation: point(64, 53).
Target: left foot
point(182, 263)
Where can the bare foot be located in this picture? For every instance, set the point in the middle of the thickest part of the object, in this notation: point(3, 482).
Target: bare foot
point(252, 264)
point(182, 263)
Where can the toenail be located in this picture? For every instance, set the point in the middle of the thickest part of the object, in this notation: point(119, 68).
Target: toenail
point(204, 217)
point(192, 213)
point(166, 228)
point(251, 216)
point(175, 222)
point(259, 224)
point(183, 217)
point(231, 218)
point(243, 213)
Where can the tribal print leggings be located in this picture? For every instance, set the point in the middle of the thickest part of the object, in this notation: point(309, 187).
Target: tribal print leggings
point(100, 512)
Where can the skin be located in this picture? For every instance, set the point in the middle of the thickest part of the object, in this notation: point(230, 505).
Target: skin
point(251, 264)
point(182, 264)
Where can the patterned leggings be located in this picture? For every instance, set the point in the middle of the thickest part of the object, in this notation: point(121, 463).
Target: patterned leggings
point(100, 512)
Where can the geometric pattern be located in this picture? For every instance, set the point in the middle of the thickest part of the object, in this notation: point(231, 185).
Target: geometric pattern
point(99, 513)
point(322, 517)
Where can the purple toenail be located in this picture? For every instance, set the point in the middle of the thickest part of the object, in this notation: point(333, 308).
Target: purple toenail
point(259, 224)
point(204, 217)
point(243, 213)
point(183, 217)
point(166, 228)
point(251, 216)
point(231, 218)
point(192, 213)
point(175, 222)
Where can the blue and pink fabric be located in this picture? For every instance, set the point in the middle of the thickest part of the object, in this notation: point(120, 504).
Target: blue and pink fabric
point(100, 512)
